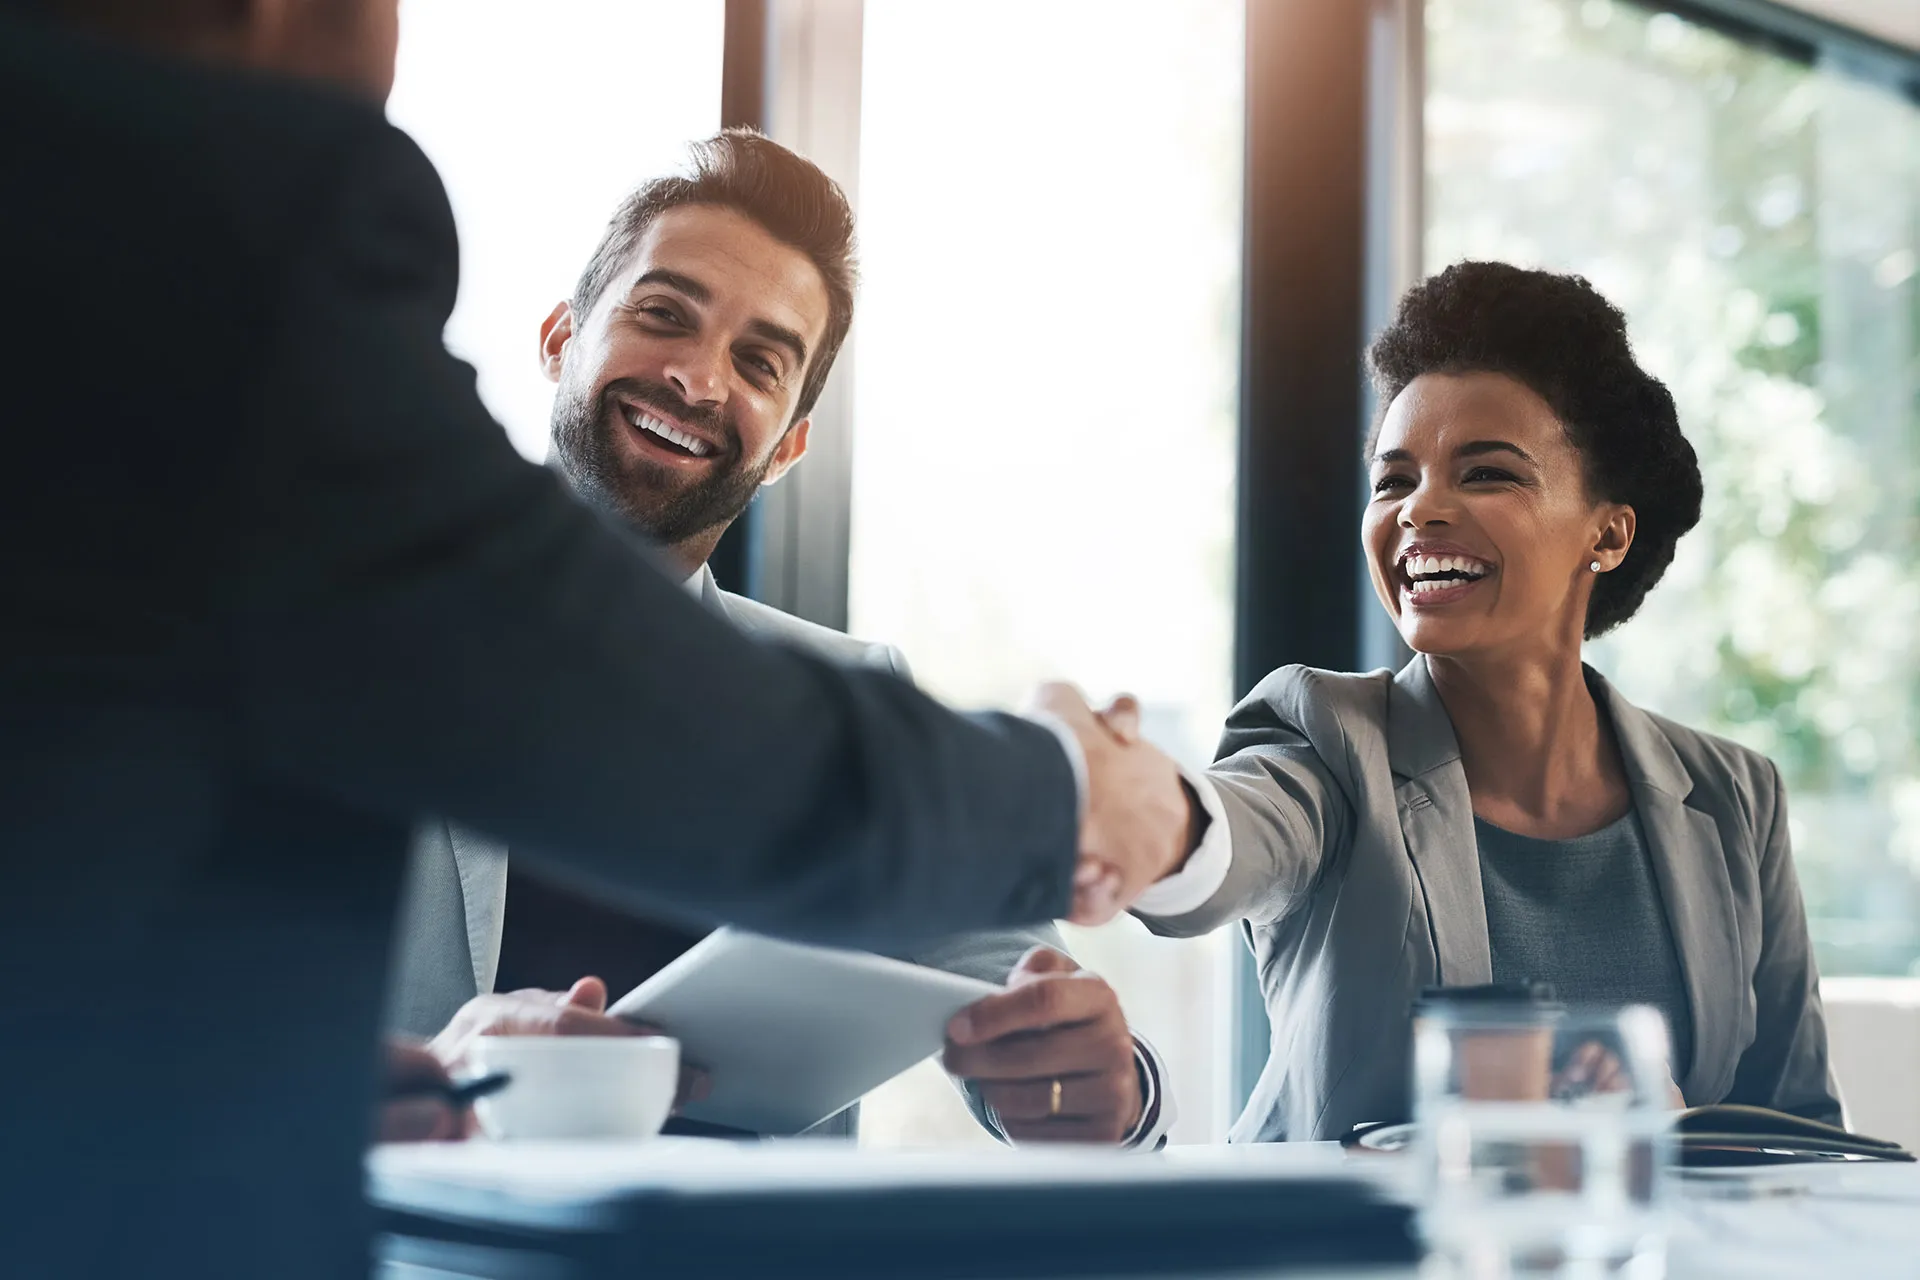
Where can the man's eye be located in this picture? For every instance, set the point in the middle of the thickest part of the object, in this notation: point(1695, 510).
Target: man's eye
point(666, 315)
point(760, 364)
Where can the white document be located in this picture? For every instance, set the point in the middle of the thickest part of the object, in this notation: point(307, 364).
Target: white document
point(793, 1034)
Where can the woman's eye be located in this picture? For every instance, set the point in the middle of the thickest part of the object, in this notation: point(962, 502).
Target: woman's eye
point(1386, 483)
point(1483, 474)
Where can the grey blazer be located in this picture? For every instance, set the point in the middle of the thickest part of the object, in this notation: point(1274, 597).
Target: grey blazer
point(1356, 877)
point(448, 947)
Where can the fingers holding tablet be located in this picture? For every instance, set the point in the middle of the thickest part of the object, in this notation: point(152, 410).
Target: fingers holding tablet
point(1052, 1055)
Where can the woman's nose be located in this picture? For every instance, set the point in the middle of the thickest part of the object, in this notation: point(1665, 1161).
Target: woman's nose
point(1422, 509)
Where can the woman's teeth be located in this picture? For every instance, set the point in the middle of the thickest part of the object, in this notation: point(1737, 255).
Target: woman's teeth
point(692, 444)
point(1434, 573)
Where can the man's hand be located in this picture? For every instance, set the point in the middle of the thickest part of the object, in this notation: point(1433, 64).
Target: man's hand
point(1054, 1026)
point(421, 1117)
point(580, 1010)
point(1136, 825)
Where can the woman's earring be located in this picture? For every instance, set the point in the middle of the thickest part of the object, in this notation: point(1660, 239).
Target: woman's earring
point(1594, 565)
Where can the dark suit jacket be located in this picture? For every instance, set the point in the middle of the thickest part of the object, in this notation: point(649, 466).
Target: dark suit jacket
point(276, 586)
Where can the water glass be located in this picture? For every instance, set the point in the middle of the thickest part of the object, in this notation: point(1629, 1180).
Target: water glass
point(1543, 1138)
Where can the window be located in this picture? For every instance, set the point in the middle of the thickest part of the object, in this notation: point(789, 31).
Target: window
point(1044, 405)
point(1758, 219)
point(540, 117)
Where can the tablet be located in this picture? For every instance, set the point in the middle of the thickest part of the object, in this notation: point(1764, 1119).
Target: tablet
point(793, 1034)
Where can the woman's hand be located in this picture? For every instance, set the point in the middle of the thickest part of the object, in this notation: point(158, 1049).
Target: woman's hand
point(1593, 1068)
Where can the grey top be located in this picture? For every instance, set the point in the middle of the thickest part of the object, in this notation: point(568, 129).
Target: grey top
point(1585, 915)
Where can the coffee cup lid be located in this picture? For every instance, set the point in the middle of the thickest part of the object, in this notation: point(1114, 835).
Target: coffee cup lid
point(1524, 1001)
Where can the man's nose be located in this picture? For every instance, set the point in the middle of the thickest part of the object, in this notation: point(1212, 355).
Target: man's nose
point(698, 371)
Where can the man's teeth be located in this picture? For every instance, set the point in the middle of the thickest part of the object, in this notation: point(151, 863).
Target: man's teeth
point(692, 444)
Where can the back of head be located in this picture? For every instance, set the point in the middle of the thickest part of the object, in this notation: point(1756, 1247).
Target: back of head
point(350, 44)
point(786, 194)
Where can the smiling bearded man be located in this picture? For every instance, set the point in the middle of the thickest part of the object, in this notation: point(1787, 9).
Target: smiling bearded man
point(687, 364)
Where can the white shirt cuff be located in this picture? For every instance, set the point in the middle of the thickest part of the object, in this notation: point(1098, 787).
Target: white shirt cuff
point(1069, 743)
point(1206, 868)
point(1157, 1112)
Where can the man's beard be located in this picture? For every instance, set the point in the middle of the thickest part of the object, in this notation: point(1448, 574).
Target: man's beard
point(651, 496)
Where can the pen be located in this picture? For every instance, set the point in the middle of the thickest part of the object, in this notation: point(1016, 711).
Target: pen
point(458, 1094)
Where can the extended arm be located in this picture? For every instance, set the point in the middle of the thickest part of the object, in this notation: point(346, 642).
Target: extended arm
point(424, 622)
point(1277, 816)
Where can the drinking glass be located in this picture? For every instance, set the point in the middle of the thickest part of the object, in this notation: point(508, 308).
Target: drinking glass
point(1543, 1137)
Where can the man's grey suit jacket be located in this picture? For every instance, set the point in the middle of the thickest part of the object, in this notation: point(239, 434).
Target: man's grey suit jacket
point(448, 947)
point(1356, 876)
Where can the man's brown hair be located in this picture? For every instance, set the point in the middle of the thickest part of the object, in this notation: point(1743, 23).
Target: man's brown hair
point(797, 204)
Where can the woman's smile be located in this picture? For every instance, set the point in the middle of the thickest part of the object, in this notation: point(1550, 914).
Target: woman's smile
point(1431, 574)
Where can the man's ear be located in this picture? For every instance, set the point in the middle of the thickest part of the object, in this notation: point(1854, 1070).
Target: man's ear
point(1616, 538)
point(792, 448)
point(556, 331)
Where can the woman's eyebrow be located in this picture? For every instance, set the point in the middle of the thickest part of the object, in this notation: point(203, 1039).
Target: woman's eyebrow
point(1478, 448)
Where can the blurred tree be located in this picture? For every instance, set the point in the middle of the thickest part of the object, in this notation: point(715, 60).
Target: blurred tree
point(1758, 220)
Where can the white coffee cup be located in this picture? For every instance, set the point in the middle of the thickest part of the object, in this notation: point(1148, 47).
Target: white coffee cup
point(577, 1086)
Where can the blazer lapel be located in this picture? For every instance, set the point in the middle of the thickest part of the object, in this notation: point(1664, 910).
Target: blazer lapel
point(1690, 866)
point(482, 865)
point(1436, 819)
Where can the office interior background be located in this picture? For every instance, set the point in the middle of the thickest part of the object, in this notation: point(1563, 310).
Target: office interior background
point(1102, 410)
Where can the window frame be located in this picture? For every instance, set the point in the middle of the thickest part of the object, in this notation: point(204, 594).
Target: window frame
point(1333, 224)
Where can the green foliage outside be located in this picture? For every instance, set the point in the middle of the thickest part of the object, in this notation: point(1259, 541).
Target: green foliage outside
point(1758, 219)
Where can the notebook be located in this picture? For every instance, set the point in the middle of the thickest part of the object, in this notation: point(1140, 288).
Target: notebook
point(1732, 1134)
point(1727, 1134)
point(801, 1207)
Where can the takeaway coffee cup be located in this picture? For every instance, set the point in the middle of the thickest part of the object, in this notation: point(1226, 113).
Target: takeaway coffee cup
point(1501, 1037)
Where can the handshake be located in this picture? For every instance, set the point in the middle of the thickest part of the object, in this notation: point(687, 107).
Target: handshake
point(1141, 819)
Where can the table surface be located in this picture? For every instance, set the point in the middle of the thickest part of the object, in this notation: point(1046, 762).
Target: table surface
point(1797, 1221)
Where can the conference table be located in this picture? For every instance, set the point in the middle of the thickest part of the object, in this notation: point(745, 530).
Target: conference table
point(1791, 1221)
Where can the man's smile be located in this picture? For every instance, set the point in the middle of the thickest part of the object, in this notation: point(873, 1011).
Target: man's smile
point(664, 437)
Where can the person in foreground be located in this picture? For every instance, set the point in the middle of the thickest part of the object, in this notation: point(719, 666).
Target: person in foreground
point(1497, 811)
point(279, 586)
point(688, 362)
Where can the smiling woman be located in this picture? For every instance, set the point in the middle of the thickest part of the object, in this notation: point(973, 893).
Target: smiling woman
point(1529, 824)
point(1546, 358)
